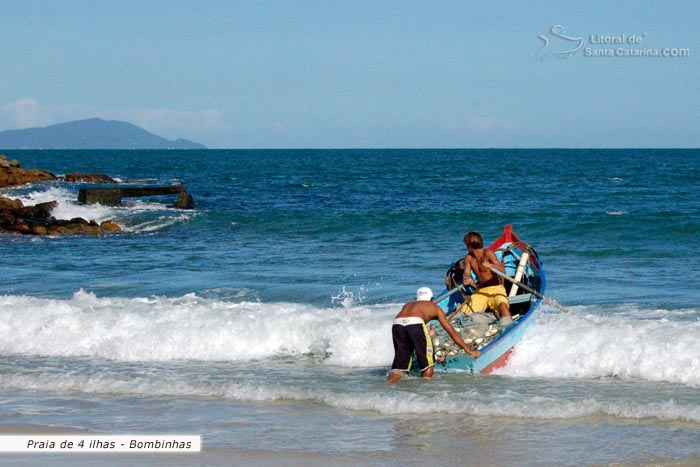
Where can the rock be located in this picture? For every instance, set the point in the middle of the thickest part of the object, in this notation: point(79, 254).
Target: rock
point(5, 163)
point(90, 178)
point(75, 226)
point(10, 203)
point(38, 211)
point(7, 216)
point(37, 220)
point(110, 226)
point(13, 176)
point(15, 218)
point(20, 227)
point(184, 201)
point(40, 230)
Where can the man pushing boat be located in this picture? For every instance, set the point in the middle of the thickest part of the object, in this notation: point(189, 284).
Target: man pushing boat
point(410, 334)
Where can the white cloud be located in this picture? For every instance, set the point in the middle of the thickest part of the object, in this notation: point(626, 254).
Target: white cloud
point(25, 113)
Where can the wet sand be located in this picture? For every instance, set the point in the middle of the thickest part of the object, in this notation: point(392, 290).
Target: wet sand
point(222, 456)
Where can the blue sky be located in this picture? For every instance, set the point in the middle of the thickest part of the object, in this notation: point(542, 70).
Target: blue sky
point(331, 74)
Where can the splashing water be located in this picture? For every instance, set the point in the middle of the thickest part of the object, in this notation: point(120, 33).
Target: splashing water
point(349, 299)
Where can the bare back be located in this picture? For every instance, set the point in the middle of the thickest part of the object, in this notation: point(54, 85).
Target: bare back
point(428, 311)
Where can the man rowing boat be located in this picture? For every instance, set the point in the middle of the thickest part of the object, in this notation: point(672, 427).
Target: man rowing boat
point(490, 292)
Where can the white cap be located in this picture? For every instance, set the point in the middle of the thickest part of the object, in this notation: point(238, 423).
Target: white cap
point(424, 294)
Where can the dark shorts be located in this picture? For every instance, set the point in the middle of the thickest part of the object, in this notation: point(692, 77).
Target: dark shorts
point(410, 335)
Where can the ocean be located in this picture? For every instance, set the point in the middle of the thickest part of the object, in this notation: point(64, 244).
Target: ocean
point(261, 320)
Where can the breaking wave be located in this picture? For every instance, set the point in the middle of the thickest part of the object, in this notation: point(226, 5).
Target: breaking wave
point(191, 328)
point(209, 347)
point(627, 342)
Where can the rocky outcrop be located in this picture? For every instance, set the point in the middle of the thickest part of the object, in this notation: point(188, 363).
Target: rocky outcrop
point(5, 164)
point(15, 218)
point(12, 175)
point(37, 220)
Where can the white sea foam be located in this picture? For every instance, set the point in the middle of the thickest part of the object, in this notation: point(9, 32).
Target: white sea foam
point(470, 402)
point(159, 346)
point(67, 204)
point(192, 328)
point(616, 213)
point(159, 222)
point(628, 343)
point(368, 397)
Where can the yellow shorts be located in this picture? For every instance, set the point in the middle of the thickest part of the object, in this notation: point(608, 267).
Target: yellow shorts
point(488, 298)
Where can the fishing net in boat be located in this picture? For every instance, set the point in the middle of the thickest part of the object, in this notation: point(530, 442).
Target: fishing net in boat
point(477, 329)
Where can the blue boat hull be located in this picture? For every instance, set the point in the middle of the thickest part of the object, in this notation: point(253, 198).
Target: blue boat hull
point(495, 354)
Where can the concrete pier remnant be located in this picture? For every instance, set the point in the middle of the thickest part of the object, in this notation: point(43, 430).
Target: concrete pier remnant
point(113, 196)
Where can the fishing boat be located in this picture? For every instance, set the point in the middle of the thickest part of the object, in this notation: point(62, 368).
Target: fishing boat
point(525, 284)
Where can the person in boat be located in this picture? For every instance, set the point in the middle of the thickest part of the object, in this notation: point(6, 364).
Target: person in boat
point(410, 334)
point(490, 294)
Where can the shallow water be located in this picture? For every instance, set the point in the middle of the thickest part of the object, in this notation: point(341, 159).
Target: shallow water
point(261, 320)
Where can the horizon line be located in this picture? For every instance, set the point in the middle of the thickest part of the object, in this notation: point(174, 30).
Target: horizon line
point(361, 148)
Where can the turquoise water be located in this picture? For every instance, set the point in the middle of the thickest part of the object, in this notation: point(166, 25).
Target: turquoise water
point(261, 319)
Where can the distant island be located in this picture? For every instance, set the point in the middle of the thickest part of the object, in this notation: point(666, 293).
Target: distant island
point(93, 133)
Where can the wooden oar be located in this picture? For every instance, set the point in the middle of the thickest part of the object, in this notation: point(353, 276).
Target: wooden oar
point(447, 294)
point(551, 301)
